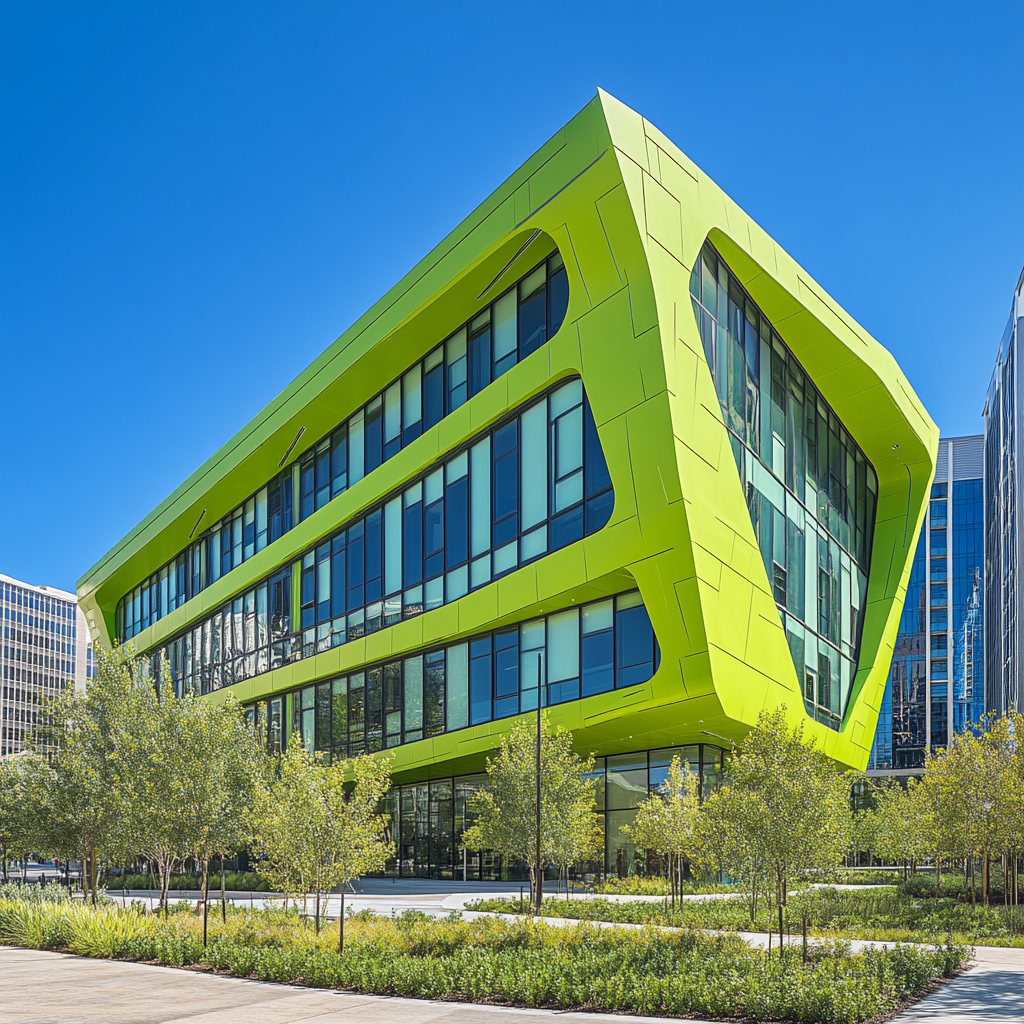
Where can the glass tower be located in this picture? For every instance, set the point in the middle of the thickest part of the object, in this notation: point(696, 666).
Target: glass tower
point(1003, 500)
point(938, 668)
point(46, 649)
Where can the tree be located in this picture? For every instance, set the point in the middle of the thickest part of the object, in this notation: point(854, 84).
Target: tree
point(219, 768)
point(785, 808)
point(506, 812)
point(16, 812)
point(971, 792)
point(318, 827)
point(724, 839)
point(157, 808)
point(899, 827)
point(80, 779)
point(667, 821)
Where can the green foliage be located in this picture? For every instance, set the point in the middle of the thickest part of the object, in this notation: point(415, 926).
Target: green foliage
point(521, 963)
point(655, 885)
point(34, 893)
point(666, 822)
point(234, 881)
point(317, 830)
point(785, 809)
point(868, 876)
point(967, 806)
point(17, 813)
point(506, 812)
point(83, 775)
point(883, 914)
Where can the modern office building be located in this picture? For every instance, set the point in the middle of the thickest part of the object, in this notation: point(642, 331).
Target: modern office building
point(1004, 513)
point(937, 675)
point(607, 447)
point(46, 650)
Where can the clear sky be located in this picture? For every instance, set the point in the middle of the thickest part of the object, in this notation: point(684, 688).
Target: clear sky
point(196, 198)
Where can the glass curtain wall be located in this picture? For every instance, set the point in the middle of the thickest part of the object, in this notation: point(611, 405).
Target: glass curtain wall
point(938, 620)
point(528, 486)
point(597, 647)
point(967, 608)
point(810, 490)
point(901, 736)
point(512, 327)
point(428, 819)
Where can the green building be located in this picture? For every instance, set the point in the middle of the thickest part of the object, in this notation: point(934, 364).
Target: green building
point(607, 446)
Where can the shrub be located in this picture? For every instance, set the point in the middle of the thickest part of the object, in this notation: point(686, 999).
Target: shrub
point(653, 885)
point(236, 881)
point(518, 962)
point(884, 914)
point(34, 893)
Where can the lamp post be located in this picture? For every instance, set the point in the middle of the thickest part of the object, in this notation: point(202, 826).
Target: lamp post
point(540, 870)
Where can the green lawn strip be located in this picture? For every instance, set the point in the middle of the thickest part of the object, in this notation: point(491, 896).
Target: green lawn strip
point(496, 961)
point(882, 914)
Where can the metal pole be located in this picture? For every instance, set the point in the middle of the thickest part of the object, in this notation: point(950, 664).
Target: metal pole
point(540, 872)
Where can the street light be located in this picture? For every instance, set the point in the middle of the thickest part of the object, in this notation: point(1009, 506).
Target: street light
point(540, 704)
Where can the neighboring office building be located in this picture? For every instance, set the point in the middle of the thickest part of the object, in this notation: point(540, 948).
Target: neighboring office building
point(45, 650)
point(938, 672)
point(606, 445)
point(1004, 521)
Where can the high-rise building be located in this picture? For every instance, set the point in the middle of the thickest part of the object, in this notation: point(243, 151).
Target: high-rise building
point(1004, 517)
point(938, 673)
point(607, 447)
point(46, 650)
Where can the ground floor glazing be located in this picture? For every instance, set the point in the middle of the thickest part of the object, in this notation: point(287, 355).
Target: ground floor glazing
point(428, 819)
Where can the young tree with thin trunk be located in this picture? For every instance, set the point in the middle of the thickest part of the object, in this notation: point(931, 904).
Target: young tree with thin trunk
point(666, 823)
point(898, 826)
point(790, 802)
point(82, 783)
point(507, 812)
point(971, 792)
point(317, 824)
point(723, 842)
point(220, 769)
point(16, 811)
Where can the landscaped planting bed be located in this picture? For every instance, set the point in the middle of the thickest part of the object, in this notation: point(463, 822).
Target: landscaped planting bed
point(884, 913)
point(496, 961)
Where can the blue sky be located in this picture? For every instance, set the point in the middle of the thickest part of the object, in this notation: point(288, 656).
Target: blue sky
point(196, 198)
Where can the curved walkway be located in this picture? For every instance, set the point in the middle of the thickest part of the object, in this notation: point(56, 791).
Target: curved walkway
point(54, 988)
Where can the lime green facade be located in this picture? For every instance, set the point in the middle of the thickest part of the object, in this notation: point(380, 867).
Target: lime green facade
point(629, 213)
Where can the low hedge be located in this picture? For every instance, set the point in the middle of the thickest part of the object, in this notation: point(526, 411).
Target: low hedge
point(236, 881)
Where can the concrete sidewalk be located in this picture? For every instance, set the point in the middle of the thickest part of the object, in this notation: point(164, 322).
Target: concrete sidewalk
point(992, 992)
point(53, 988)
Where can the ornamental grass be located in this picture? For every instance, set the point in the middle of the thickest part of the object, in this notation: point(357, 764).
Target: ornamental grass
point(492, 960)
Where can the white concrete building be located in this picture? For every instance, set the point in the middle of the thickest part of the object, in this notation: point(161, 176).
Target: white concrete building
point(46, 649)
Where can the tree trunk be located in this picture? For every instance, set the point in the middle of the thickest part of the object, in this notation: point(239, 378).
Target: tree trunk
point(341, 920)
point(164, 867)
point(206, 894)
point(318, 908)
point(223, 894)
point(938, 876)
point(93, 873)
point(984, 877)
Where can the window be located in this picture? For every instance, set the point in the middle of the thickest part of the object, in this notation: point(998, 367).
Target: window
point(811, 492)
point(488, 677)
point(517, 323)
